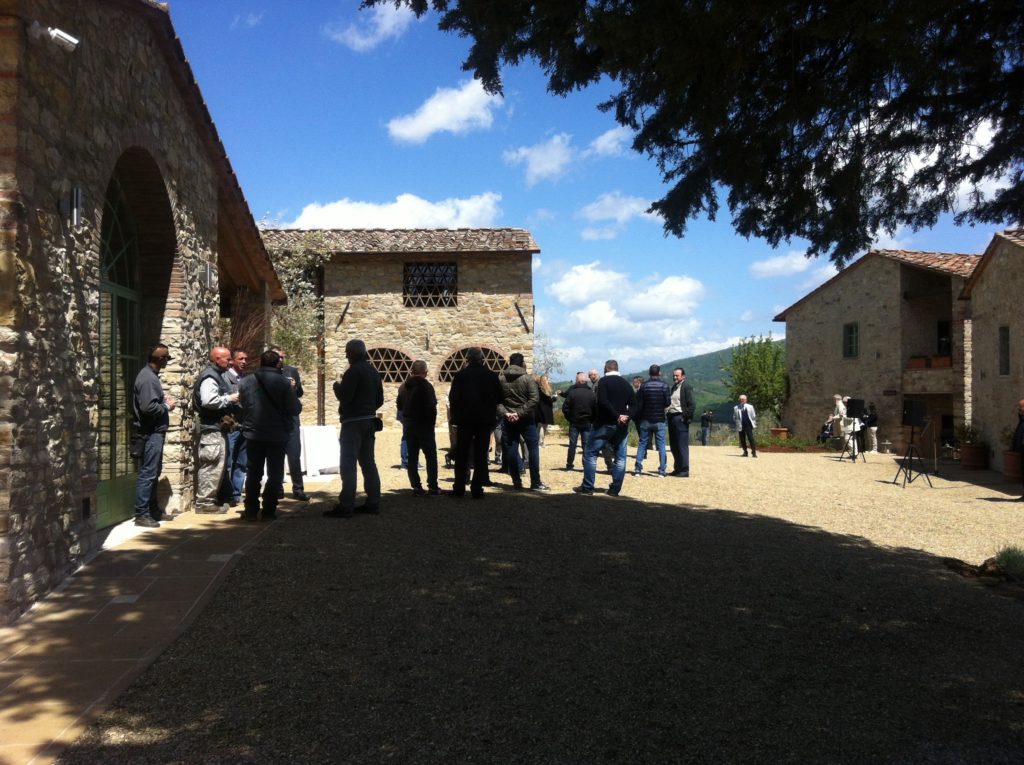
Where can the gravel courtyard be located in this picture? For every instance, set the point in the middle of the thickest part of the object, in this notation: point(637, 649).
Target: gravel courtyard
point(790, 608)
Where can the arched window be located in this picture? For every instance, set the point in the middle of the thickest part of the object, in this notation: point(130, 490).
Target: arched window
point(393, 365)
point(492, 360)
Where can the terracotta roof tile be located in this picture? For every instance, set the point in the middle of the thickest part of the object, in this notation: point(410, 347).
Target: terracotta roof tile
point(957, 264)
point(379, 240)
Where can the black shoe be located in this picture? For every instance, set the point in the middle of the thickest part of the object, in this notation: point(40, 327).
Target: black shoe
point(755, 457)
point(477, 495)
point(419, 492)
point(300, 495)
point(435, 492)
point(280, 494)
point(518, 487)
point(681, 474)
point(456, 494)
point(745, 454)
point(235, 501)
point(568, 468)
point(146, 521)
point(268, 517)
point(368, 510)
point(540, 487)
point(337, 512)
point(582, 490)
point(611, 493)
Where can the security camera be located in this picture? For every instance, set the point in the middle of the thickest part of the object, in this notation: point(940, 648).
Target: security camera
point(63, 39)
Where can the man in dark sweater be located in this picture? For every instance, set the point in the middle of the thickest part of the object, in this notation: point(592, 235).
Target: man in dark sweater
point(294, 449)
point(473, 401)
point(360, 394)
point(578, 409)
point(652, 401)
point(418, 404)
point(616, 403)
point(150, 416)
point(269, 408)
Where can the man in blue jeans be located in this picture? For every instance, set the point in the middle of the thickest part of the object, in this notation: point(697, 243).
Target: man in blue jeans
point(652, 401)
point(579, 413)
point(616, 402)
point(360, 394)
point(150, 416)
point(518, 408)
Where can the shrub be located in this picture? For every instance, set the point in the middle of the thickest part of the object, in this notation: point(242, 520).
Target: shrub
point(1011, 560)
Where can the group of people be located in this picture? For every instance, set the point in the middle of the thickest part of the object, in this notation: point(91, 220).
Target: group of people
point(859, 430)
point(248, 423)
point(248, 426)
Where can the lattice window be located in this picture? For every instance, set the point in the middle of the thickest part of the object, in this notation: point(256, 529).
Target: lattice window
point(492, 360)
point(430, 285)
point(393, 366)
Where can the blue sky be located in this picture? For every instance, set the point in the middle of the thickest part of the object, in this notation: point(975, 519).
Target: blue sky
point(339, 118)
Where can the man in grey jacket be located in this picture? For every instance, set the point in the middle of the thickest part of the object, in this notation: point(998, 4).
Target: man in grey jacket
point(518, 408)
point(360, 394)
point(150, 410)
point(745, 419)
point(269, 406)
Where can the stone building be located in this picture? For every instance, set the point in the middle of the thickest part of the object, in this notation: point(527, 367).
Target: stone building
point(122, 225)
point(995, 292)
point(888, 328)
point(419, 294)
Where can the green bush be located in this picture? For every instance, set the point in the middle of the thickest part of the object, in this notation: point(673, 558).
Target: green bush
point(1011, 560)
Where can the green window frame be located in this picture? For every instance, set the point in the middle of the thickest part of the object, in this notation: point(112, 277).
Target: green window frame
point(851, 340)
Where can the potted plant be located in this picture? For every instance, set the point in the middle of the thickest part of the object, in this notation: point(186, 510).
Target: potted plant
point(973, 452)
point(941, 362)
point(918, 362)
point(1011, 458)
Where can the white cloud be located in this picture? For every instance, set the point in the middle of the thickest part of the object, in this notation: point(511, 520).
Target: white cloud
point(611, 143)
point(617, 209)
point(406, 211)
point(672, 297)
point(537, 262)
point(452, 110)
point(817, 277)
point(590, 234)
point(544, 161)
point(747, 315)
point(382, 22)
point(248, 20)
point(584, 284)
point(898, 240)
point(793, 262)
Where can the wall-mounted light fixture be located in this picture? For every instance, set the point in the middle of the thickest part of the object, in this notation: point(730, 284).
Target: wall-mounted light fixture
point(71, 207)
point(209, 277)
point(58, 37)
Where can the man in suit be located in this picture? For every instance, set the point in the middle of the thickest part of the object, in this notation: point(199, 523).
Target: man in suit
point(681, 408)
point(745, 419)
point(294, 447)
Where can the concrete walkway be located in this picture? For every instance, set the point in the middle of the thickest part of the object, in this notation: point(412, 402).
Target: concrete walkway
point(71, 655)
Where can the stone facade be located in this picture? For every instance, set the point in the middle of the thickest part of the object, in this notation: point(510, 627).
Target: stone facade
point(118, 126)
point(904, 306)
point(994, 297)
point(363, 298)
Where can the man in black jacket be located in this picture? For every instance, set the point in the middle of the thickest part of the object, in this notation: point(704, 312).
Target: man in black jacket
point(680, 413)
point(578, 409)
point(473, 400)
point(269, 408)
point(652, 401)
point(150, 408)
point(418, 404)
point(519, 408)
point(360, 394)
point(616, 402)
point(294, 447)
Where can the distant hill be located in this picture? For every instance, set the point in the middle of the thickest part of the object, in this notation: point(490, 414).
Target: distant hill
point(703, 372)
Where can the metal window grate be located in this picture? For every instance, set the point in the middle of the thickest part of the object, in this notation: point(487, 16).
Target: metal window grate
point(393, 365)
point(492, 360)
point(430, 285)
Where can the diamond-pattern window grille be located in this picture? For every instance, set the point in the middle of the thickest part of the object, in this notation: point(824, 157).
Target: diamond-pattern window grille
point(492, 360)
point(393, 365)
point(430, 285)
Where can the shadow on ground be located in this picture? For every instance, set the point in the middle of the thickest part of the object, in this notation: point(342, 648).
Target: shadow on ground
point(564, 629)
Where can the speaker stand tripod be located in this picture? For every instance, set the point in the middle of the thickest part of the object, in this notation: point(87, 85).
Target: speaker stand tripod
point(907, 463)
point(850, 446)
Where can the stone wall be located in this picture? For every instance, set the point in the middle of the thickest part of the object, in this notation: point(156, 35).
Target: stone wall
point(995, 302)
point(69, 117)
point(363, 299)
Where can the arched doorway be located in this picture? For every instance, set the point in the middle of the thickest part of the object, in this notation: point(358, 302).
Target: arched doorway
point(137, 246)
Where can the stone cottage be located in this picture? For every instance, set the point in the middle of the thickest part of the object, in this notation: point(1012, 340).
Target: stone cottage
point(419, 294)
point(888, 328)
point(122, 225)
point(994, 293)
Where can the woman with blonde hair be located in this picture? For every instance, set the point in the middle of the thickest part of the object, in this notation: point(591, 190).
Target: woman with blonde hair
point(545, 408)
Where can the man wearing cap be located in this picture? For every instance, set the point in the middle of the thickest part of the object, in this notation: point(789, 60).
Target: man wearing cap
point(213, 400)
point(360, 394)
point(150, 415)
point(652, 402)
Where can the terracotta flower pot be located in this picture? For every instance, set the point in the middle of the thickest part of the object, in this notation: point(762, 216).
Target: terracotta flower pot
point(974, 456)
point(1011, 465)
